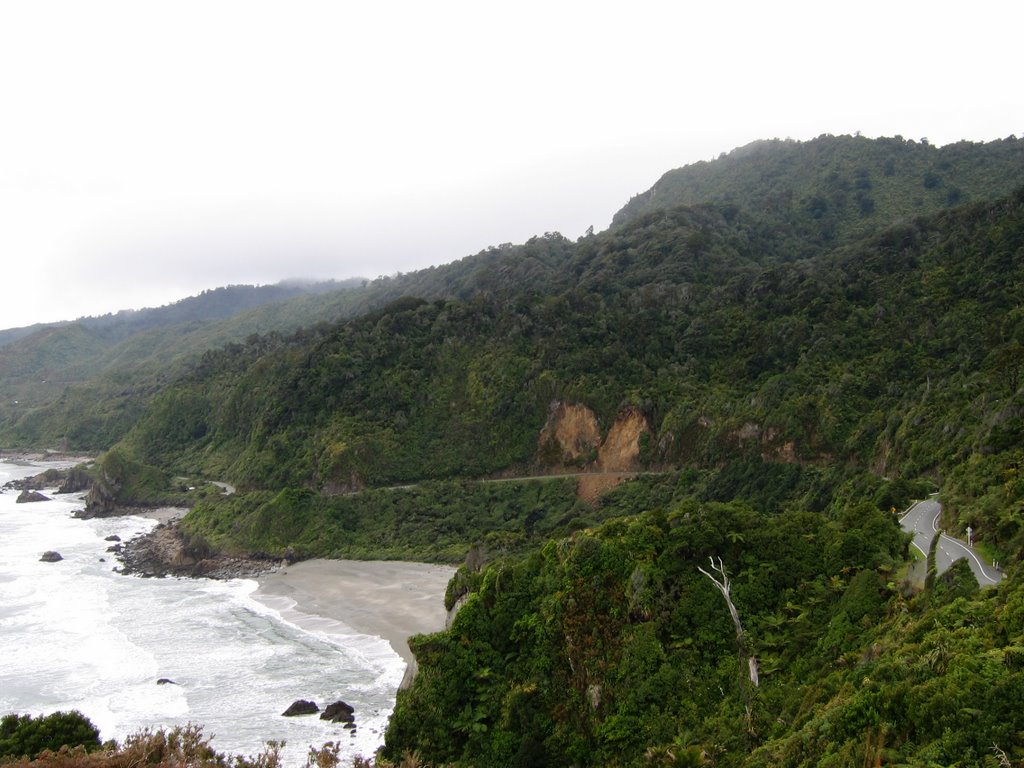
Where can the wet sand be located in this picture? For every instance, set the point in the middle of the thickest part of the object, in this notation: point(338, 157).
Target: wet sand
point(163, 515)
point(388, 599)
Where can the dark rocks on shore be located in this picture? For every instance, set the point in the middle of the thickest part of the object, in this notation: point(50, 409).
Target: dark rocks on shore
point(51, 557)
point(73, 480)
point(301, 707)
point(113, 537)
point(47, 479)
point(27, 496)
point(339, 712)
point(101, 501)
point(115, 548)
point(76, 480)
point(167, 552)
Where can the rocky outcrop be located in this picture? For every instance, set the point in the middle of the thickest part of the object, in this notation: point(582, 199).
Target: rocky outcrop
point(773, 444)
point(51, 557)
point(570, 436)
point(101, 501)
point(47, 479)
point(621, 449)
point(26, 497)
point(77, 479)
point(73, 480)
point(167, 551)
point(301, 707)
point(339, 712)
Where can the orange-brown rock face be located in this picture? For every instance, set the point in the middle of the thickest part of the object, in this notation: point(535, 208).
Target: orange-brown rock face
point(571, 436)
point(621, 449)
point(573, 429)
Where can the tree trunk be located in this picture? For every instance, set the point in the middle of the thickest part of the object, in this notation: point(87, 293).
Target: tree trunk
point(724, 587)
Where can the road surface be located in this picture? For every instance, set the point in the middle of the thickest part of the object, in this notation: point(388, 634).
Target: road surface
point(923, 520)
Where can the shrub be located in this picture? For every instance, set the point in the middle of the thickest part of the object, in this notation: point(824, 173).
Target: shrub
point(25, 736)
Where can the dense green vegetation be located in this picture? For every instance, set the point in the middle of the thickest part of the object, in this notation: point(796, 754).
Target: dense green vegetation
point(433, 521)
point(81, 386)
point(841, 185)
point(611, 648)
point(26, 736)
point(897, 354)
point(813, 334)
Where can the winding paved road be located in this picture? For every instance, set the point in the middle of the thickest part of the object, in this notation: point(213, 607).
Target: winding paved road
point(922, 520)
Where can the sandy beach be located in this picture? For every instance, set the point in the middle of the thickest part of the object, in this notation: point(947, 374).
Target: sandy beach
point(164, 515)
point(388, 599)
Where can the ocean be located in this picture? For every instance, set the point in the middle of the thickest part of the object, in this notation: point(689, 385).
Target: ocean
point(76, 634)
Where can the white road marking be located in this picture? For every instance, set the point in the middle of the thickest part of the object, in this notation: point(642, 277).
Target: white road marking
point(973, 556)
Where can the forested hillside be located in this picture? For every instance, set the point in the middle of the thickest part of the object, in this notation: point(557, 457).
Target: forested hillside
point(612, 648)
point(782, 347)
point(81, 385)
point(846, 184)
point(898, 354)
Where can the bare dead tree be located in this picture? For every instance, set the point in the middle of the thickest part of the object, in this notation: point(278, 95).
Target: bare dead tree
point(724, 586)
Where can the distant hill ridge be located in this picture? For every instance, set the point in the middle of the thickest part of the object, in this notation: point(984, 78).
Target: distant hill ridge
point(847, 184)
point(215, 303)
point(84, 384)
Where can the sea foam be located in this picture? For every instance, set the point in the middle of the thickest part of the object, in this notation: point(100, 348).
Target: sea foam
point(76, 634)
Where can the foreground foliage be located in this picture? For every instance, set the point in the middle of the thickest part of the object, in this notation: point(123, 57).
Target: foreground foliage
point(23, 735)
point(611, 648)
point(160, 748)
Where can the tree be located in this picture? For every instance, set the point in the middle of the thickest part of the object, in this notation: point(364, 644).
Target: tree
point(724, 586)
point(25, 736)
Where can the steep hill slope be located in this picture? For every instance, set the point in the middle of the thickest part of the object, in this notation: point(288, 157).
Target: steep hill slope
point(899, 353)
point(95, 360)
point(613, 648)
point(789, 385)
point(83, 387)
point(841, 185)
point(84, 395)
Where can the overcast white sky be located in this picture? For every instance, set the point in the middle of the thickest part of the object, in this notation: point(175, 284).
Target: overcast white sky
point(150, 150)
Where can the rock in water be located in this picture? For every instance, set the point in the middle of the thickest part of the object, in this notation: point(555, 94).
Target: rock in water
point(51, 557)
point(301, 707)
point(165, 681)
point(339, 712)
point(76, 480)
point(27, 496)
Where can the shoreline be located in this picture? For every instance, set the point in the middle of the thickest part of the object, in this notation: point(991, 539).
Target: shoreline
point(390, 599)
point(13, 456)
point(163, 515)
